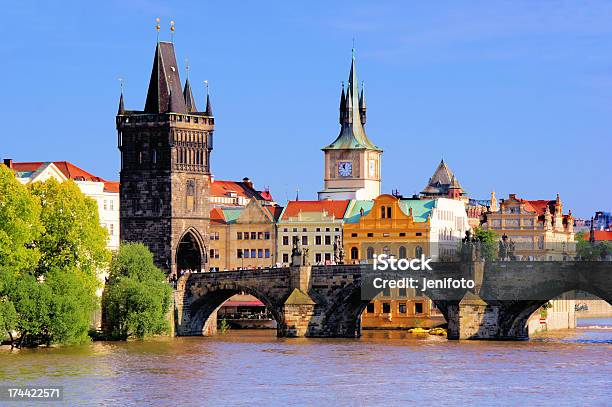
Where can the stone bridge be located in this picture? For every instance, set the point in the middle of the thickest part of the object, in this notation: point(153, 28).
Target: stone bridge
point(327, 301)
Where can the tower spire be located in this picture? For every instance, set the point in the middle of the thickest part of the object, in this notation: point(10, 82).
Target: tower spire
point(121, 109)
point(188, 94)
point(209, 111)
point(342, 104)
point(362, 104)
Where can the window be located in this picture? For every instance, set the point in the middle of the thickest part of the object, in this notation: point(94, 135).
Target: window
point(401, 307)
point(253, 253)
point(419, 234)
point(239, 235)
point(327, 229)
point(318, 229)
point(354, 253)
point(370, 234)
point(304, 240)
point(318, 258)
point(214, 254)
point(111, 229)
point(418, 251)
point(327, 256)
point(370, 253)
point(327, 239)
point(353, 234)
point(285, 229)
point(259, 235)
point(402, 234)
point(418, 307)
point(285, 240)
point(386, 308)
point(267, 253)
point(259, 253)
point(295, 229)
point(389, 212)
point(304, 230)
point(337, 229)
point(285, 258)
point(402, 292)
point(246, 253)
point(239, 253)
point(382, 212)
point(370, 308)
point(253, 235)
point(105, 205)
point(402, 252)
point(112, 204)
point(317, 240)
point(266, 235)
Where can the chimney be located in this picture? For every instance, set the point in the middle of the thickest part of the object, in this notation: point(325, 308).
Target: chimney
point(8, 162)
point(247, 182)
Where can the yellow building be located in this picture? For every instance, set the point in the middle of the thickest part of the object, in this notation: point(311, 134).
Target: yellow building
point(396, 227)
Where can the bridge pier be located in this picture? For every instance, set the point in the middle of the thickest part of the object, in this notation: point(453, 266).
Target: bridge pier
point(472, 318)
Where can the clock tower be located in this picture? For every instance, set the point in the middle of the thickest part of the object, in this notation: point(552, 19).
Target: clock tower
point(352, 161)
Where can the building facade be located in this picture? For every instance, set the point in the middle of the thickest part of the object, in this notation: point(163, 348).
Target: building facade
point(352, 161)
point(243, 238)
point(316, 224)
point(538, 228)
point(165, 169)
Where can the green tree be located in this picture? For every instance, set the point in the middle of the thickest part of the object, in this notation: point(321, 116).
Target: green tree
point(73, 235)
point(489, 243)
point(51, 248)
point(592, 251)
point(137, 297)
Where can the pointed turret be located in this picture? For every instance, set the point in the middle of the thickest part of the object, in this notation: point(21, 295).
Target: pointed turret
point(362, 104)
point(342, 104)
point(121, 109)
point(209, 111)
point(164, 81)
point(189, 99)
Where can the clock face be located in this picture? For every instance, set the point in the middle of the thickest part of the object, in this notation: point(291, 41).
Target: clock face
point(345, 168)
point(372, 168)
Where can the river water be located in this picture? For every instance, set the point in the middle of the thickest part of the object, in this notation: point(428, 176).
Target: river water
point(381, 368)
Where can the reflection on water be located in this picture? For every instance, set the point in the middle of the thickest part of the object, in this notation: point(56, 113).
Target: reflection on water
point(256, 368)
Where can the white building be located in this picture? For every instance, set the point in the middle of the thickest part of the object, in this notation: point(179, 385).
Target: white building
point(448, 224)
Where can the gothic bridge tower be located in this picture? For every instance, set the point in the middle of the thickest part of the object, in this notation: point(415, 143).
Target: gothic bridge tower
point(165, 169)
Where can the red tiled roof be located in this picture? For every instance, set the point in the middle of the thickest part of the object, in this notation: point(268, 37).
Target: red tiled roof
point(603, 234)
point(111, 186)
point(333, 207)
point(274, 211)
point(539, 206)
point(69, 170)
point(216, 216)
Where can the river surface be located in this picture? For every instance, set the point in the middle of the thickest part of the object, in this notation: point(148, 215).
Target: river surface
point(382, 368)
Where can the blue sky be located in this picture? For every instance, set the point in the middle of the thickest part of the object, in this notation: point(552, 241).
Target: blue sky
point(516, 96)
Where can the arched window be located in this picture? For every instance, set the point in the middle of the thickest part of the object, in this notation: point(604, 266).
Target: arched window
point(389, 212)
point(418, 251)
point(354, 253)
point(402, 252)
point(382, 212)
point(370, 253)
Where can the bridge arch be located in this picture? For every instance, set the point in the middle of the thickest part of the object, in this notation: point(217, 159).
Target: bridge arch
point(190, 252)
point(196, 318)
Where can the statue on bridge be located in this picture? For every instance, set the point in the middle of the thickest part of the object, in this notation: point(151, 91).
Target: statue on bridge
point(471, 249)
point(506, 249)
point(338, 251)
point(296, 253)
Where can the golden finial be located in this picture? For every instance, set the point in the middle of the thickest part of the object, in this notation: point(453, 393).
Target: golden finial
point(157, 27)
point(120, 84)
point(206, 84)
point(172, 31)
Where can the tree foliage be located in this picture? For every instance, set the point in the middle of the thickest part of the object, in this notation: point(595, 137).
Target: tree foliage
point(51, 247)
point(137, 297)
point(592, 251)
point(489, 243)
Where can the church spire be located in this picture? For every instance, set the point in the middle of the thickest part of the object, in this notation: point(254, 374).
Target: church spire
point(362, 104)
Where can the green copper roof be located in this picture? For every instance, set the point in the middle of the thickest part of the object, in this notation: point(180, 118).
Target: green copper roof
point(355, 211)
point(231, 214)
point(352, 133)
point(421, 208)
